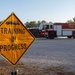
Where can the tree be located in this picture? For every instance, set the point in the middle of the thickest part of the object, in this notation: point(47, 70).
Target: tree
point(27, 25)
point(43, 21)
point(38, 23)
point(32, 24)
point(69, 21)
point(74, 19)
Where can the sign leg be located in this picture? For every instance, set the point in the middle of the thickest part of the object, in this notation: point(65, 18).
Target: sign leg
point(14, 72)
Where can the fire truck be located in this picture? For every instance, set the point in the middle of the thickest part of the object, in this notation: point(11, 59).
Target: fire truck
point(52, 30)
point(43, 27)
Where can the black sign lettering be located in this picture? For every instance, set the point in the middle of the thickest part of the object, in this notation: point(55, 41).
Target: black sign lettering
point(1, 47)
point(13, 47)
point(12, 31)
point(12, 23)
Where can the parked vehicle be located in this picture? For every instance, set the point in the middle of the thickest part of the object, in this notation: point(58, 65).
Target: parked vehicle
point(52, 30)
point(42, 28)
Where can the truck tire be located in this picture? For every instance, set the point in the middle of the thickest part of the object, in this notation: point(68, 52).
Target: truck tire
point(69, 37)
point(51, 35)
point(73, 34)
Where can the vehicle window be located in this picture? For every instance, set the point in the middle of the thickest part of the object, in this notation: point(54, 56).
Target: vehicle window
point(51, 26)
point(46, 26)
point(40, 27)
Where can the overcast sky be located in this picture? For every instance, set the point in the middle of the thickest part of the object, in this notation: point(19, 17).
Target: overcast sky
point(38, 10)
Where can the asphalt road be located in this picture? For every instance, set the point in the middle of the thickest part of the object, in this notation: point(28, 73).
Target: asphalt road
point(59, 51)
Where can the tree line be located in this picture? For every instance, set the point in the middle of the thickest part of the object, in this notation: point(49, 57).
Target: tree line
point(32, 24)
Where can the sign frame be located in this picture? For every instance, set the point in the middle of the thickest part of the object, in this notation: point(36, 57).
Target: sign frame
point(26, 30)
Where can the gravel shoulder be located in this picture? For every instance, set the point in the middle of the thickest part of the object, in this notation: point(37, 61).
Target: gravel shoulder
point(32, 69)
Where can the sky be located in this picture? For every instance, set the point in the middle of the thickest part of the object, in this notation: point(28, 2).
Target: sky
point(38, 10)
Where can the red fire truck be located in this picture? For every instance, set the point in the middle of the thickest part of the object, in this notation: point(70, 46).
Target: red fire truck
point(43, 27)
point(52, 30)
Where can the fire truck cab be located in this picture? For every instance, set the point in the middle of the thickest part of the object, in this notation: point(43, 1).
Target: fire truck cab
point(43, 27)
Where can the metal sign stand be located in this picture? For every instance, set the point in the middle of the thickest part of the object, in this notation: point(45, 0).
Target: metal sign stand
point(14, 71)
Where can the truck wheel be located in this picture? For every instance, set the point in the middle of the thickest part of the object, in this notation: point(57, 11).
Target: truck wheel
point(73, 34)
point(74, 37)
point(69, 37)
point(46, 37)
point(51, 35)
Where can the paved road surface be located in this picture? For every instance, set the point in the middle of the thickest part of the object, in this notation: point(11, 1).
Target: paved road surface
point(59, 51)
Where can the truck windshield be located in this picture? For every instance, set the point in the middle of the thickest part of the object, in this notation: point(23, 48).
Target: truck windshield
point(41, 27)
point(46, 26)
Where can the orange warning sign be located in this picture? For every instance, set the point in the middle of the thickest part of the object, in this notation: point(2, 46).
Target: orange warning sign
point(15, 39)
